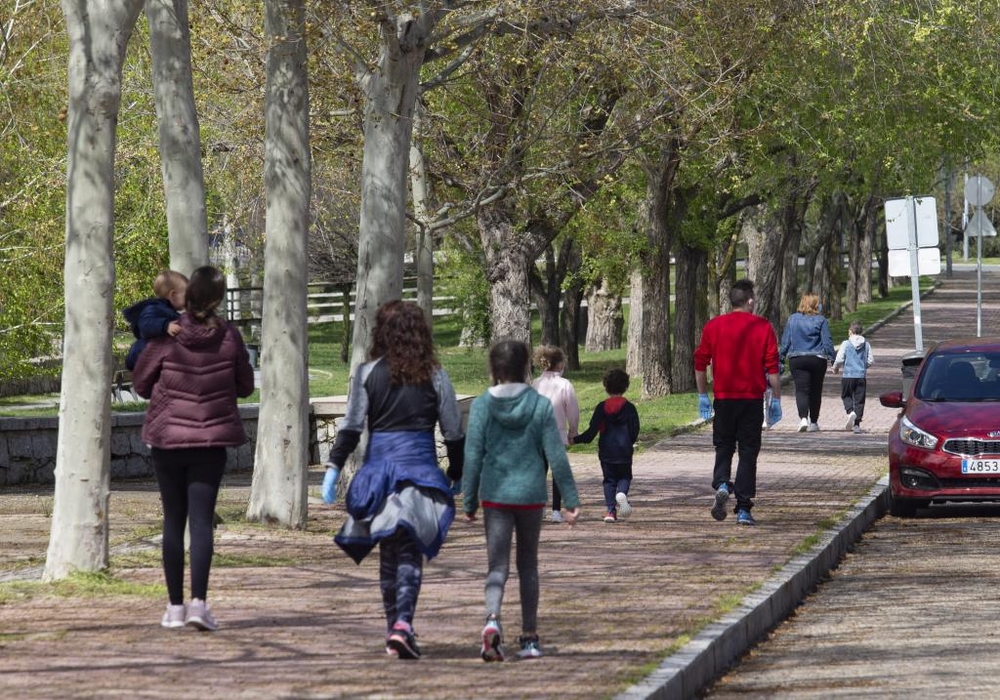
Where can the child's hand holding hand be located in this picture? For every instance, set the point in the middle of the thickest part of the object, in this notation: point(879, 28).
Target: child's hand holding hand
point(571, 515)
point(470, 517)
point(173, 328)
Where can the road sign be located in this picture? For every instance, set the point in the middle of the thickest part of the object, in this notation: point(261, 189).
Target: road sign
point(928, 262)
point(978, 191)
point(897, 223)
point(980, 225)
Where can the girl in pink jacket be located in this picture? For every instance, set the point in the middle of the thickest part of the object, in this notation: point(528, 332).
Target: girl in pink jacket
point(559, 390)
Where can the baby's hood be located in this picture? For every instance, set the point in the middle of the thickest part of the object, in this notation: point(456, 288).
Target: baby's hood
point(858, 341)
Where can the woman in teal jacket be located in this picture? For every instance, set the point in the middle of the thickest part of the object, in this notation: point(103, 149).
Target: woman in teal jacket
point(512, 432)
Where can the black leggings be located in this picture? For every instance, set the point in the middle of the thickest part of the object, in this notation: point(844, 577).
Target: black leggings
point(808, 372)
point(189, 482)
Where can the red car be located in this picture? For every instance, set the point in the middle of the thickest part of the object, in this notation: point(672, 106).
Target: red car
point(945, 445)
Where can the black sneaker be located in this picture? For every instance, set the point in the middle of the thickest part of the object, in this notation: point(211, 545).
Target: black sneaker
point(529, 647)
point(402, 641)
point(743, 517)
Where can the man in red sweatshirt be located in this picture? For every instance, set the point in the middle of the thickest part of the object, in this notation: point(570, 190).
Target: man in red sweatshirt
point(743, 352)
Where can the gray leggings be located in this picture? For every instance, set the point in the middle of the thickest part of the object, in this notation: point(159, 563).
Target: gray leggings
point(501, 524)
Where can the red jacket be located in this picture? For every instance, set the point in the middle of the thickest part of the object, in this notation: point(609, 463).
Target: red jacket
point(192, 381)
point(742, 349)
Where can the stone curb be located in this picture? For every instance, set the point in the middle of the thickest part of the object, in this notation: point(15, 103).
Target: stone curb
point(715, 648)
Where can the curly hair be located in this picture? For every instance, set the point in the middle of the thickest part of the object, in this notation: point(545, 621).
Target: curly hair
point(548, 357)
point(401, 335)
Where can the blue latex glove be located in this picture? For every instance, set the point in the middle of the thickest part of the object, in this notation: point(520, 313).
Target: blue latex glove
point(774, 412)
point(330, 484)
point(704, 406)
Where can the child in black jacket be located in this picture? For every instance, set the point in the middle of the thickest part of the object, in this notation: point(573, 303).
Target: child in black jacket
point(617, 421)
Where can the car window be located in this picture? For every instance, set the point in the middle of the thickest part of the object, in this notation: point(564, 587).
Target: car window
point(960, 377)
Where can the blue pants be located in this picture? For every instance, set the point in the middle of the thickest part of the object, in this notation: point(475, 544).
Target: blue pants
point(617, 477)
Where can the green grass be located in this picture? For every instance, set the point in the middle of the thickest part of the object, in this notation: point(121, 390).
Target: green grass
point(79, 584)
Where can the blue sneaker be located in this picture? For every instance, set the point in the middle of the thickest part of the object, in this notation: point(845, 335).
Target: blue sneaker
point(743, 517)
point(721, 497)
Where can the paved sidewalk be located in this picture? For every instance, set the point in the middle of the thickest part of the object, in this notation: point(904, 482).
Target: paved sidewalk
point(299, 620)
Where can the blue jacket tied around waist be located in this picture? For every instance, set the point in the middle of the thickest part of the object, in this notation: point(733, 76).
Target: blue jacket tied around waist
point(400, 485)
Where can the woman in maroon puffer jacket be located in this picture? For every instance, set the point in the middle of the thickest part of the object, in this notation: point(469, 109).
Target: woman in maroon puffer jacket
point(192, 380)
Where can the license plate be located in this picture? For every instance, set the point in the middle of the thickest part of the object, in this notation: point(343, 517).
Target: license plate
point(981, 466)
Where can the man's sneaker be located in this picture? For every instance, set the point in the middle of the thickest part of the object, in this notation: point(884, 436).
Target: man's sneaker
point(721, 497)
point(813, 428)
point(803, 425)
point(173, 618)
point(402, 641)
point(611, 517)
point(557, 517)
point(492, 640)
point(851, 417)
point(624, 507)
point(529, 647)
point(856, 430)
point(743, 517)
point(200, 617)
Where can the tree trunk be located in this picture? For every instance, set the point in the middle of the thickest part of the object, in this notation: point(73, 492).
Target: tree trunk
point(98, 35)
point(278, 492)
point(547, 297)
point(633, 355)
point(570, 314)
point(764, 238)
point(689, 304)
point(654, 216)
point(425, 236)
point(507, 262)
point(391, 92)
point(867, 234)
point(180, 137)
point(605, 319)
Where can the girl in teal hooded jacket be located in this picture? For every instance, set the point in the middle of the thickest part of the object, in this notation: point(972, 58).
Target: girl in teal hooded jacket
point(512, 432)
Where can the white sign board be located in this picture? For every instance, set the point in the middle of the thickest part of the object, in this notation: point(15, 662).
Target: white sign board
point(897, 230)
point(928, 262)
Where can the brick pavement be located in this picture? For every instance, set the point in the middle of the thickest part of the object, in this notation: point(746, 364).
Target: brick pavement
point(298, 619)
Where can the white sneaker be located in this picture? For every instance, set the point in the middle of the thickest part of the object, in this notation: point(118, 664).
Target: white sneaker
point(624, 508)
point(173, 618)
point(803, 425)
point(851, 417)
point(813, 428)
point(200, 617)
point(557, 517)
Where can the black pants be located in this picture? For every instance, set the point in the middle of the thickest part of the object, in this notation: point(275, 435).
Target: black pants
point(737, 426)
point(808, 372)
point(556, 496)
point(400, 573)
point(852, 391)
point(189, 482)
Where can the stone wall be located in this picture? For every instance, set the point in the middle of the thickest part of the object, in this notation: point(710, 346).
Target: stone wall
point(28, 445)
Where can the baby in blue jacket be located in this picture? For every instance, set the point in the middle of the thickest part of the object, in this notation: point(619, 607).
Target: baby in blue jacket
point(158, 315)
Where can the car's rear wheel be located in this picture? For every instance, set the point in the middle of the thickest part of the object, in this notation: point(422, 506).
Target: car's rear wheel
point(904, 507)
